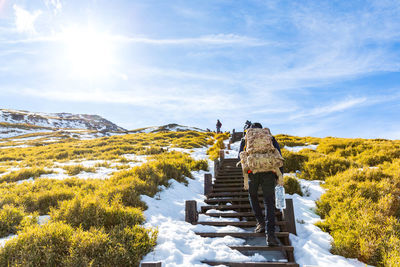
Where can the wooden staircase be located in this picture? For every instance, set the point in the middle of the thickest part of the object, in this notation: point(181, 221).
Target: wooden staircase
point(226, 193)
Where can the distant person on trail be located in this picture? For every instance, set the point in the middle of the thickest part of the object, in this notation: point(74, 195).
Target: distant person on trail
point(219, 124)
point(247, 125)
point(261, 160)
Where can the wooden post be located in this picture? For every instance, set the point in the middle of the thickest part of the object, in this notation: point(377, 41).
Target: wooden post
point(191, 215)
point(221, 155)
point(151, 264)
point(288, 215)
point(229, 145)
point(207, 183)
point(216, 167)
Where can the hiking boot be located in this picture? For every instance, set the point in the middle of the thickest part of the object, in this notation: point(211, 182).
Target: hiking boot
point(260, 228)
point(272, 241)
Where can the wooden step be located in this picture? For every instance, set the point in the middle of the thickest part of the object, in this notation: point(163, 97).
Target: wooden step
point(226, 207)
point(263, 248)
point(234, 214)
point(219, 189)
point(230, 172)
point(252, 264)
point(228, 182)
point(286, 249)
point(238, 224)
point(230, 194)
point(227, 177)
point(241, 235)
point(229, 199)
point(228, 185)
point(283, 236)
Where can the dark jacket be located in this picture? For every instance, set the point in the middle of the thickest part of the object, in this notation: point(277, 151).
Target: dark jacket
point(274, 142)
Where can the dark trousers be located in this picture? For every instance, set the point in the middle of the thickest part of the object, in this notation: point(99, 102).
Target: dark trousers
point(267, 181)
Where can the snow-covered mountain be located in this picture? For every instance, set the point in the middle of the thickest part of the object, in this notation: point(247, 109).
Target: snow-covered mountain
point(58, 120)
point(172, 127)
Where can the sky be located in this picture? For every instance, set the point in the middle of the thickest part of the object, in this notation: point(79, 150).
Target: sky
point(306, 68)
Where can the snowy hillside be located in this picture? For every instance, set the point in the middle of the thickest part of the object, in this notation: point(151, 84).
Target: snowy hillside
point(169, 128)
point(58, 120)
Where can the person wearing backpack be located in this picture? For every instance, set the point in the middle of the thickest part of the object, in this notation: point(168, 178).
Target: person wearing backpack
point(262, 163)
point(219, 124)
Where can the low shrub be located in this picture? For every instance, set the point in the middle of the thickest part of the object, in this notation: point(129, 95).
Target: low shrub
point(361, 208)
point(292, 185)
point(92, 211)
point(322, 167)
point(293, 161)
point(46, 245)
point(76, 169)
point(58, 244)
point(24, 174)
point(10, 218)
point(218, 144)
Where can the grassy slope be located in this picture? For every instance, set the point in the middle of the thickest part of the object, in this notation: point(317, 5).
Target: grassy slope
point(93, 222)
point(361, 207)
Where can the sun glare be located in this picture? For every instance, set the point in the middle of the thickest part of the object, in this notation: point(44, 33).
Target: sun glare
point(89, 53)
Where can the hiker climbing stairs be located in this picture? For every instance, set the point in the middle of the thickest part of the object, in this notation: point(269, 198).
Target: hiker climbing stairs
point(226, 198)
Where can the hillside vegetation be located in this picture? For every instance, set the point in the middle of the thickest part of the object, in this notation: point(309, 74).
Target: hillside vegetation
point(98, 222)
point(361, 207)
point(93, 222)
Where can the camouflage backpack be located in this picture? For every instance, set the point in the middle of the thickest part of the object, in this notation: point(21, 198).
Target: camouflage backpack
point(260, 155)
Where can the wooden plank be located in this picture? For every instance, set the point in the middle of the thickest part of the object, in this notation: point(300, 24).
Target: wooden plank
point(231, 194)
point(240, 235)
point(238, 224)
point(251, 264)
point(238, 188)
point(227, 185)
point(191, 215)
point(216, 167)
point(234, 214)
point(229, 199)
point(225, 207)
point(263, 248)
point(288, 215)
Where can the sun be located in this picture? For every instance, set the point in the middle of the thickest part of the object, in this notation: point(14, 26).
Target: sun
point(89, 54)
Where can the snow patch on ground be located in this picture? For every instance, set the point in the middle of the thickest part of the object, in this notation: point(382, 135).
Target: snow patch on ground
point(298, 148)
point(5, 239)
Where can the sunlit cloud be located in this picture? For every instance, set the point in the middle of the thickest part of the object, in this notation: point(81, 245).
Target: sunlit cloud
point(25, 20)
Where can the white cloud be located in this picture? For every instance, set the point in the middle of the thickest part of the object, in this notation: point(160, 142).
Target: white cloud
point(54, 4)
point(24, 20)
point(216, 39)
point(330, 108)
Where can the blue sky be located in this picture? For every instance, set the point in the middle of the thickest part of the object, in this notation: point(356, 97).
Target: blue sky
point(318, 68)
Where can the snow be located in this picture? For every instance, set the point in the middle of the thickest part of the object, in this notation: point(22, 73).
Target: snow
point(178, 245)
point(5, 239)
point(298, 148)
point(17, 146)
point(9, 132)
